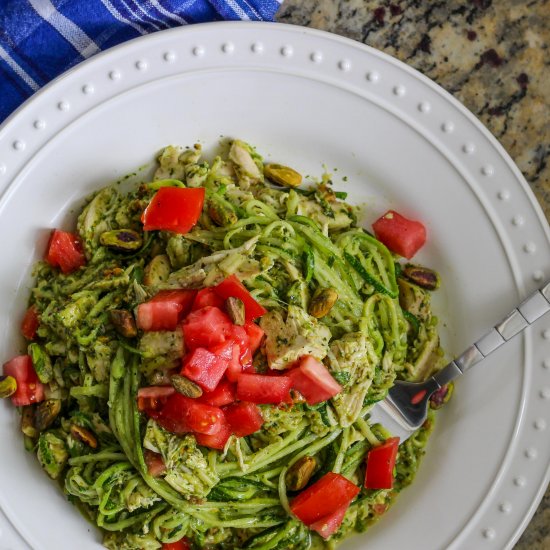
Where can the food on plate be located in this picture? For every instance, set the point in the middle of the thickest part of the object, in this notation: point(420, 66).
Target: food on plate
point(204, 350)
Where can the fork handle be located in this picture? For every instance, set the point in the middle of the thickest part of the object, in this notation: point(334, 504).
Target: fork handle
point(515, 322)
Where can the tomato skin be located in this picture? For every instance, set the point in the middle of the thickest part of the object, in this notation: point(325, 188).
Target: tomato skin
point(151, 398)
point(165, 310)
point(154, 462)
point(232, 287)
point(29, 388)
point(204, 367)
point(207, 297)
point(182, 544)
point(380, 464)
point(255, 336)
point(174, 209)
point(323, 498)
point(182, 415)
point(313, 380)
point(65, 251)
point(258, 388)
point(30, 323)
point(244, 418)
point(224, 394)
point(217, 440)
point(401, 235)
point(328, 525)
point(206, 327)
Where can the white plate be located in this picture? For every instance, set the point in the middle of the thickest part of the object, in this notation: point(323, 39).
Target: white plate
point(307, 98)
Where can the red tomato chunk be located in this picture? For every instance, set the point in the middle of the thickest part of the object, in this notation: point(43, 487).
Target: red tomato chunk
point(258, 388)
point(152, 398)
point(328, 525)
point(380, 464)
point(182, 544)
point(182, 415)
point(165, 310)
point(224, 394)
point(174, 209)
point(217, 440)
point(401, 235)
point(323, 498)
point(29, 389)
point(65, 251)
point(155, 464)
point(207, 297)
point(232, 287)
point(204, 367)
point(206, 327)
point(313, 380)
point(244, 418)
point(255, 335)
point(30, 323)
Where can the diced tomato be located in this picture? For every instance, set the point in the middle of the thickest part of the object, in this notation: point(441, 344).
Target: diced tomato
point(65, 251)
point(233, 287)
point(174, 209)
point(30, 323)
point(154, 462)
point(152, 398)
point(204, 367)
point(255, 336)
point(313, 380)
point(324, 498)
point(328, 525)
point(182, 544)
point(380, 464)
point(165, 310)
point(217, 440)
point(259, 388)
point(401, 235)
point(244, 418)
point(240, 336)
point(206, 327)
point(235, 368)
point(207, 297)
point(225, 393)
point(182, 414)
point(29, 388)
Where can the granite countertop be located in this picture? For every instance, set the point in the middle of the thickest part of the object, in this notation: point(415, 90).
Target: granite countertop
point(492, 56)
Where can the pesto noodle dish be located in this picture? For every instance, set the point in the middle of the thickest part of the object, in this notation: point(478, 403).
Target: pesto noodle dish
point(203, 351)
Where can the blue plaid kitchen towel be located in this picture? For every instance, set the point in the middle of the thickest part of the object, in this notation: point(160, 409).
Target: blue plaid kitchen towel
point(40, 39)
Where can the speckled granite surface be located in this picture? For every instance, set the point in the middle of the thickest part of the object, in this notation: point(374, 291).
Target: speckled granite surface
point(494, 56)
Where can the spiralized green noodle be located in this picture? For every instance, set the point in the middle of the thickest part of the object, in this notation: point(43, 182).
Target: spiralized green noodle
point(284, 244)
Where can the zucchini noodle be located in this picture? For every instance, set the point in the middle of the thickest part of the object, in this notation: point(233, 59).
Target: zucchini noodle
point(286, 245)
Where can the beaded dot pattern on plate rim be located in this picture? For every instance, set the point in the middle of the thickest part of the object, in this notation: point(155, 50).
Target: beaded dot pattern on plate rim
point(369, 72)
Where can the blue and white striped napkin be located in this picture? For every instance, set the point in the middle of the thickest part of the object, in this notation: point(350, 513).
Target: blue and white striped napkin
point(40, 39)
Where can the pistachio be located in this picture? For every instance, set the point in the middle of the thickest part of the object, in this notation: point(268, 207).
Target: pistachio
point(45, 413)
point(441, 396)
point(27, 422)
point(157, 270)
point(184, 386)
point(84, 435)
point(422, 276)
point(123, 240)
point(221, 213)
point(282, 175)
point(124, 323)
point(235, 310)
point(8, 386)
point(322, 302)
point(299, 474)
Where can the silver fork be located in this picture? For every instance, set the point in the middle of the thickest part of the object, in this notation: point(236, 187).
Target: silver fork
point(405, 407)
